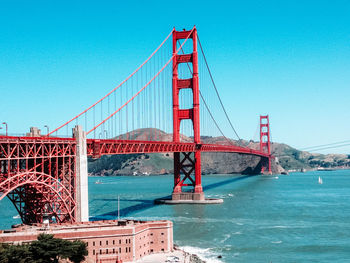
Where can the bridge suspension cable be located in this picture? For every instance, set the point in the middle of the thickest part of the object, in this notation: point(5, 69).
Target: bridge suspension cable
point(329, 147)
point(216, 90)
point(325, 145)
point(143, 101)
point(112, 91)
point(321, 147)
point(207, 107)
point(135, 95)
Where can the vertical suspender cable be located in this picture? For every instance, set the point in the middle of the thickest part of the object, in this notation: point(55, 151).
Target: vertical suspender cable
point(217, 93)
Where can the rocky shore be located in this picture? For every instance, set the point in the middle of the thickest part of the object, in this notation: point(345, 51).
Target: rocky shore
point(178, 256)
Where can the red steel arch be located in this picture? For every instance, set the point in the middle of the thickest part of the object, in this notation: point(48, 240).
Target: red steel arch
point(38, 175)
point(59, 202)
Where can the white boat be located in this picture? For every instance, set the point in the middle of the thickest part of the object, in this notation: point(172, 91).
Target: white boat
point(98, 182)
point(320, 180)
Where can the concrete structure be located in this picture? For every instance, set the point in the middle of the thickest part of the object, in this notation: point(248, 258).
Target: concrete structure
point(34, 132)
point(207, 201)
point(81, 170)
point(107, 241)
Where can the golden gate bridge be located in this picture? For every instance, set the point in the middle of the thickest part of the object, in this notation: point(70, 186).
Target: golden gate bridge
point(46, 175)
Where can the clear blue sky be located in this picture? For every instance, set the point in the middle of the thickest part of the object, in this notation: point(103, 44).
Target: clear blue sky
point(288, 59)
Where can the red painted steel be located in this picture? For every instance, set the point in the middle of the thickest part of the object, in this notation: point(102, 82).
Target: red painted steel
point(265, 144)
point(148, 83)
point(98, 147)
point(132, 74)
point(38, 176)
point(185, 114)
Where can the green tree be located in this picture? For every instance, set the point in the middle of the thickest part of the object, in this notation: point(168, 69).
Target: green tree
point(46, 249)
point(78, 251)
point(15, 254)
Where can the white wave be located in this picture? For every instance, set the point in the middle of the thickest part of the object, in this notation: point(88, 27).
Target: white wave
point(203, 253)
point(188, 219)
point(280, 227)
point(227, 236)
point(219, 196)
point(270, 177)
point(276, 242)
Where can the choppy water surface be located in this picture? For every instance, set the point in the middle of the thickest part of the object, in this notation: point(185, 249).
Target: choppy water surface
point(263, 219)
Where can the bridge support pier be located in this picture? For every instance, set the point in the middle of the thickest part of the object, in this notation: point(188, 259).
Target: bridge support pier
point(190, 168)
point(82, 200)
point(266, 166)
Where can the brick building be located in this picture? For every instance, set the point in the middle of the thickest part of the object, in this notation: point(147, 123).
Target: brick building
point(107, 241)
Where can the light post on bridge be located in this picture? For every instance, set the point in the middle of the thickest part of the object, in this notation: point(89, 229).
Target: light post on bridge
point(105, 133)
point(5, 123)
point(47, 128)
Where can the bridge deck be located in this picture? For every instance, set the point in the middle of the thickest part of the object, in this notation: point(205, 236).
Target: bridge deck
point(98, 147)
point(106, 147)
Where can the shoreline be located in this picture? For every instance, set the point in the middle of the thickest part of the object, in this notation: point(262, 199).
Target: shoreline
point(178, 255)
point(144, 175)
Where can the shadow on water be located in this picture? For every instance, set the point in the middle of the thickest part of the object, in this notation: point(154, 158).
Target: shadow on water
point(228, 181)
point(124, 212)
point(147, 204)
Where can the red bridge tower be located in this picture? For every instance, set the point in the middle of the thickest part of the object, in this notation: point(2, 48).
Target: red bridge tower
point(186, 163)
point(265, 144)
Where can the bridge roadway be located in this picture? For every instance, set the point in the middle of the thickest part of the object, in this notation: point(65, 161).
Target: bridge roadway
point(98, 147)
point(27, 147)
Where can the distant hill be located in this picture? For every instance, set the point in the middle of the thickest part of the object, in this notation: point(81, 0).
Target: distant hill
point(292, 159)
point(288, 158)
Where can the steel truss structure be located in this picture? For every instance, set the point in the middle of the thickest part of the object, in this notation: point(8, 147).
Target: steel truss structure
point(38, 176)
point(99, 147)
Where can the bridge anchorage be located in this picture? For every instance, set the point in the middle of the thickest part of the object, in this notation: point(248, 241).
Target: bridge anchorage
point(45, 176)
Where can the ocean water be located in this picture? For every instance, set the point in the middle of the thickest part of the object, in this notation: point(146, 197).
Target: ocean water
point(263, 219)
